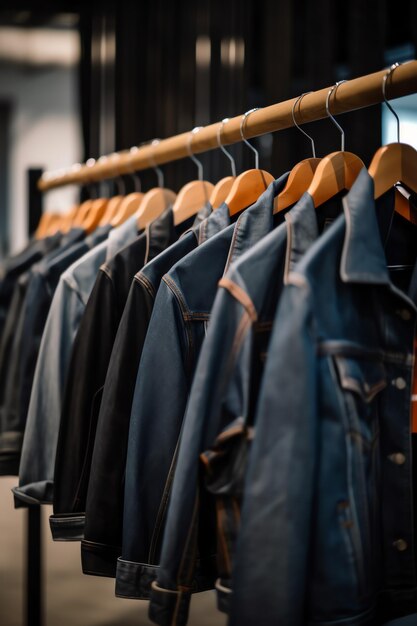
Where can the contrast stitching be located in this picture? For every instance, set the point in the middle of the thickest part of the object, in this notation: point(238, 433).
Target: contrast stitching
point(288, 249)
point(141, 278)
point(163, 504)
point(240, 294)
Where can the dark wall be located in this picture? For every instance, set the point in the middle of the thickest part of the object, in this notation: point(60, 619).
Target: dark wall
point(184, 63)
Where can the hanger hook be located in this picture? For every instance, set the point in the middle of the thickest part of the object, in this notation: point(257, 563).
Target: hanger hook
point(118, 178)
point(133, 174)
point(242, 124)
point(329, 93)
point(221, 146)
point(313, 145)
point(191, 154)
point(159, 172)
point(384, 84)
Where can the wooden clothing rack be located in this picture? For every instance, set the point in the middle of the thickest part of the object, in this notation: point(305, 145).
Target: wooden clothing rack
point(354, 94)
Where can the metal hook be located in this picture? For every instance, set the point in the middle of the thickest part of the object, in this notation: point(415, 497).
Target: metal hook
point(118, 178)
point(313, 145)
point(244, 117)
point(133, 174)
point(191, 155)
point(159, 172)
point(329, 93)
point(384, 83)
point(222, 148)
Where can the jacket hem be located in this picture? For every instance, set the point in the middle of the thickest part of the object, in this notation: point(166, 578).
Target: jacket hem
point(67, 526)
point(99, 559)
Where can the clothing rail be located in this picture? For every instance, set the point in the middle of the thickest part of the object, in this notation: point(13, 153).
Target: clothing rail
point(354, 94)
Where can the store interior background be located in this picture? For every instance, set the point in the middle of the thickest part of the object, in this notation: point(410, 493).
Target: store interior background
point(82, 79)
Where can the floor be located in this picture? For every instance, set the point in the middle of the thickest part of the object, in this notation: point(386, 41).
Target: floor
point(72, 599)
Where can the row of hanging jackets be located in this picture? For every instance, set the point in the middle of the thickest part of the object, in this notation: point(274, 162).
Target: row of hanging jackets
point(225, 404)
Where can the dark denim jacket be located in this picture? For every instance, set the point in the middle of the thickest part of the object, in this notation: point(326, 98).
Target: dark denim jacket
point(327, 531)
point(220, 412)
point(87, 372)
point(104, 506)
point(172, 346)
point(42, 281)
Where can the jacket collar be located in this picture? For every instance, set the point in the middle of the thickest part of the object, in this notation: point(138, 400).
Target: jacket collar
point(214, 223)
point(160, 234)
point(302, 231)
point(256, 222)
point(363, 258)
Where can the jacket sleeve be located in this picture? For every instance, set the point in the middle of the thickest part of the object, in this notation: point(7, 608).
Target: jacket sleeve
point(270, 570)
point(40, 439)
point(158, 407)
point(225, 355)
point(83, 389)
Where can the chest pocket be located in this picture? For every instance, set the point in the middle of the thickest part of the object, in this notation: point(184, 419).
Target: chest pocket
point(364, 377)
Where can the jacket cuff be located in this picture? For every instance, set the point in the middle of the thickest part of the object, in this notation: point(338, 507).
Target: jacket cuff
point(224, 595)
point(99, 559)
point(169, 607)
point(33, 494)
point(133, 580)
point(67, 526)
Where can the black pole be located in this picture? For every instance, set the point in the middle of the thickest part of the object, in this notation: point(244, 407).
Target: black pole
point(35, 198)
point(34, 586)
point(34, 596)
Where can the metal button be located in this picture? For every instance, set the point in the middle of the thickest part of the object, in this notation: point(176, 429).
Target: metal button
point(405, 314)
point(399, 383)
point(400, 544)
point(398, 458)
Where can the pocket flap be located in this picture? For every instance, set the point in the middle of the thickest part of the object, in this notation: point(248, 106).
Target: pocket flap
point(366, 377)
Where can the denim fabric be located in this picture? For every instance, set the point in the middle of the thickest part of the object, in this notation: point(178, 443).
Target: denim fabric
point(327, 531)
point(172, 345)
point(41, 433)
point(121, 236)
point(221, 407)
point(104, 508)
point(42, 282)
point(87, 372)
point(12, 267)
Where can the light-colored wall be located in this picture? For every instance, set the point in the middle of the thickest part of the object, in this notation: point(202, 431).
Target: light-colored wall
point(45, 132)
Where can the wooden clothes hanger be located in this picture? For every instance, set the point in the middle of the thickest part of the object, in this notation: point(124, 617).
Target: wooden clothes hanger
point(301, 175)
point(156, 200)
point(45, 223)
point(222, 188)
point(94, 215)
point(337, 171)
point(194, 195)
point(395, 163)
point(249, 185)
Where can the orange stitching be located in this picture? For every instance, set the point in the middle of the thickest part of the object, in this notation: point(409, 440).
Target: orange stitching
point(240, 294)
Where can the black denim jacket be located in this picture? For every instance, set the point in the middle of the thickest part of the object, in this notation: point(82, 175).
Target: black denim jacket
point(104, 507)
point(89, 361)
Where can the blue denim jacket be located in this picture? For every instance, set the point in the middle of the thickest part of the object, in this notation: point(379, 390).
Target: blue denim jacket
point(175, 334)
point(327, 531)
point(221, 406)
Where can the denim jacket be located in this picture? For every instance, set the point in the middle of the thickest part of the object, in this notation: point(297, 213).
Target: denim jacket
point(220, 412)
point(87, 372)
point(176, 332)
point(104, 506)
point(327, 532)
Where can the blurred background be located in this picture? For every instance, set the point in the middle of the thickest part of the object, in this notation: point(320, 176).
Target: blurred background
point(82, 79)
